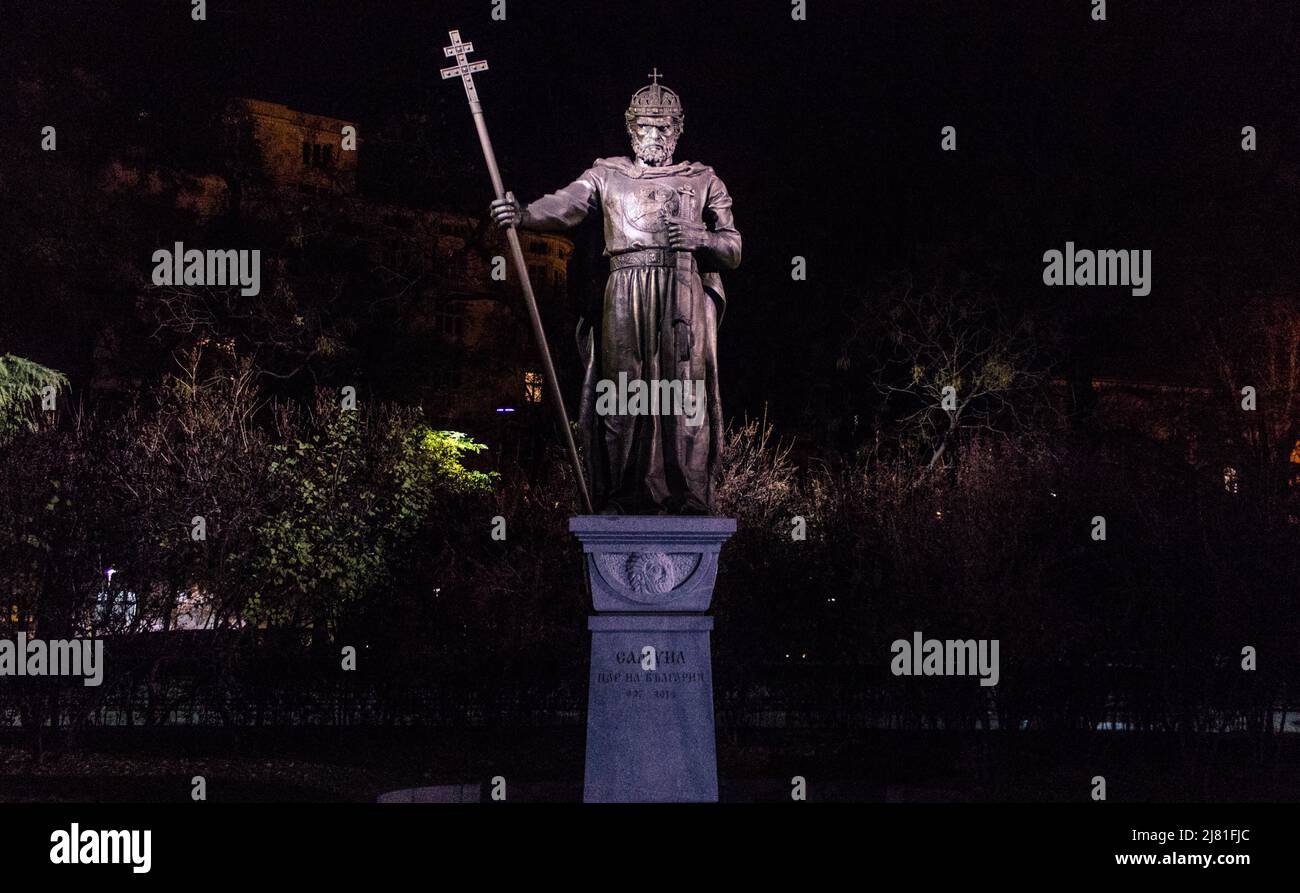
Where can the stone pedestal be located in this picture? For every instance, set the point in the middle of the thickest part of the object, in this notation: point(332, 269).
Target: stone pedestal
point(650, 731)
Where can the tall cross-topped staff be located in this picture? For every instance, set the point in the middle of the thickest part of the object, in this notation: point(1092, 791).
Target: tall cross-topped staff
point(465, 71)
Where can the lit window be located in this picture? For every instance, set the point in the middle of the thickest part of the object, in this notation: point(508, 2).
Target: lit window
point(1230, 479)
point(533, 387)
point(18, 616)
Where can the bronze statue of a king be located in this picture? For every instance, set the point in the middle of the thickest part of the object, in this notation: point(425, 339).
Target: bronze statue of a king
point(650, 412)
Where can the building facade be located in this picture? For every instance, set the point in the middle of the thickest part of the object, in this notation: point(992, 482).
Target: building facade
point(486, 377)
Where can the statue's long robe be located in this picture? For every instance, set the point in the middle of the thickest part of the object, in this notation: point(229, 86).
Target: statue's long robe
point(657, 323)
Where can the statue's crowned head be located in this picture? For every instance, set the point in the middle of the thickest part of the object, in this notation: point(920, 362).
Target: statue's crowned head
point(654, 122)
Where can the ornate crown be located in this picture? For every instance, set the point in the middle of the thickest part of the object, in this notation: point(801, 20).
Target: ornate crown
point(655, 101)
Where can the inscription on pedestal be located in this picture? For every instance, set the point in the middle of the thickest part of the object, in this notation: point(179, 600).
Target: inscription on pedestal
point(650, 710)
point(651, 683)
point(650, 695)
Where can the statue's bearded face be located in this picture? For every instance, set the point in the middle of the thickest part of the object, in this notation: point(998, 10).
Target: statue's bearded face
point(654, 139)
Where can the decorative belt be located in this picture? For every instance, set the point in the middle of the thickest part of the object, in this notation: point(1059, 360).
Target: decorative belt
point(646, 257)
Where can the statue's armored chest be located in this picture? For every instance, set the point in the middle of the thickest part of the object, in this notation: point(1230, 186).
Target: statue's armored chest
point(646, 205)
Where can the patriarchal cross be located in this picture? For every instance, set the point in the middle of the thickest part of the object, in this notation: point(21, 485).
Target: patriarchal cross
point(465, 70)
point(462, 68)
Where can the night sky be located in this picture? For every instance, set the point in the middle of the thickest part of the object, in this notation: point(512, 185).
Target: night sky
point(1115, 134)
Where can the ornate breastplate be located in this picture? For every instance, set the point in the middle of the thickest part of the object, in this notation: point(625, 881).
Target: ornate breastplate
point(646, 205)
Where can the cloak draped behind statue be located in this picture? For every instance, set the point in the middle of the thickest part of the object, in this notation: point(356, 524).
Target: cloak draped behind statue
point(659, 322)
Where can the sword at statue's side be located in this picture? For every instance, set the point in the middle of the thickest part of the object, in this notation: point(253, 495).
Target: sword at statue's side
point(465, 71)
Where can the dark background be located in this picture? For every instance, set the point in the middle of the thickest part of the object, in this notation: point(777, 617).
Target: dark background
point(1122, 134)
point(1115, 134)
